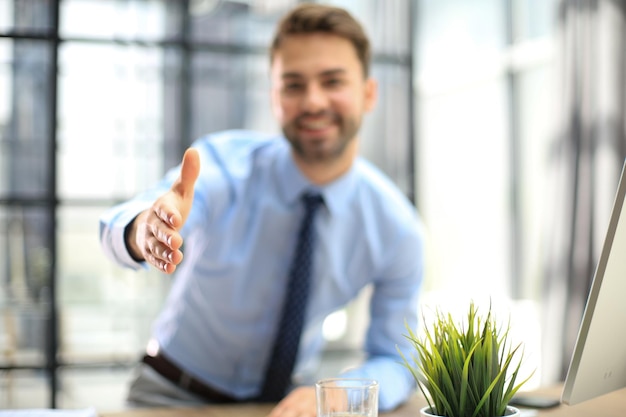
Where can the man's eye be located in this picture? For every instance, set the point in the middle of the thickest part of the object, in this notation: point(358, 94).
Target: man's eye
point(333, 82)
point(293, 87)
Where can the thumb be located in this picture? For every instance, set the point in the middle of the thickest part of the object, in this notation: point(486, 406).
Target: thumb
point(183, 187)
point(189, 172)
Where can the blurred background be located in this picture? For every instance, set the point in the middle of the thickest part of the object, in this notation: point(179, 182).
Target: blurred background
point(502, 120)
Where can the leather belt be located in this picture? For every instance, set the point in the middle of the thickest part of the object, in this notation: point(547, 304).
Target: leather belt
point(169, 370)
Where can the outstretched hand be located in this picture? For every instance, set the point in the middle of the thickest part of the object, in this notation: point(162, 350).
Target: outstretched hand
point(154, 234)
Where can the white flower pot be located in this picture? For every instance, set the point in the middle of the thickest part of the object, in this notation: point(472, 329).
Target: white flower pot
point(510, 412)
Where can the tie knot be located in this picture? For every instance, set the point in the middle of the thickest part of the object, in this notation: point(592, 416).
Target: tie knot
point(312, 201)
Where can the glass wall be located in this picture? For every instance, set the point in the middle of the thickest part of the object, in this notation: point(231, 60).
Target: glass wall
point(97, 100)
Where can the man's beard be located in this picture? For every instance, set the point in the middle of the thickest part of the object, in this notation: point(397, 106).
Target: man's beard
point(348, 129)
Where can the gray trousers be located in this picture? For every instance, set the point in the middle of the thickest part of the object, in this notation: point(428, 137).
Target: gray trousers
point(149, 389)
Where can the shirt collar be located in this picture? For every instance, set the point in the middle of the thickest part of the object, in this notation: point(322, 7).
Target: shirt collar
point(293, 183)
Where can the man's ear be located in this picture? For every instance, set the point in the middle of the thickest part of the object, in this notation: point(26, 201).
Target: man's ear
point(371, 93)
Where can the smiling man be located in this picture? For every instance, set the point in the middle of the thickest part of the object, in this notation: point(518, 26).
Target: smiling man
point(320, 92)
point(237, 203)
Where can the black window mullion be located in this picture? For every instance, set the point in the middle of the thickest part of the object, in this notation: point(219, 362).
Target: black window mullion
point(52, 335)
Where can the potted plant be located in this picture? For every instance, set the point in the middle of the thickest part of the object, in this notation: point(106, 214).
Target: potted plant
point(468, 369)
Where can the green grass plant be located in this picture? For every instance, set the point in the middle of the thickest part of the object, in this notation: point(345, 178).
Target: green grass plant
point(466, 369)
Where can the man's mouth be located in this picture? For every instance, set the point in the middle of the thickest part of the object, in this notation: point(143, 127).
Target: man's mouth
point(316, 125)
point(317, 122)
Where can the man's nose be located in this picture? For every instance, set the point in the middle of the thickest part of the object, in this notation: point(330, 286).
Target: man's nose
point(314, 99)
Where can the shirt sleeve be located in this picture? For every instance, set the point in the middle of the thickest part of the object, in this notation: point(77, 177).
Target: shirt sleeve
point(395, 384)
point(394, 306)
point(222, 156)
point(112, 226)
point(113, 222)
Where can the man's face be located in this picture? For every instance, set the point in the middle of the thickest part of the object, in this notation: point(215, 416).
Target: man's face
point(319, 95)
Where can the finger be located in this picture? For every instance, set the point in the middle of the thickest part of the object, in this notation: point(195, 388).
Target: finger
point(156, 240)
point(166, 267)
point(189, 172)
point(159, 221)
point(171, 221)
point(161, 242)
point(161, 256)
point(182, 191)
point(191, 167)
point(163, 252)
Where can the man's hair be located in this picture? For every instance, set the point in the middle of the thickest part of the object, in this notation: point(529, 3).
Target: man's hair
point(317, 18)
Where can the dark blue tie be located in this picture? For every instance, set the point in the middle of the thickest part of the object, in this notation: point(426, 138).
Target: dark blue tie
point(281, 363)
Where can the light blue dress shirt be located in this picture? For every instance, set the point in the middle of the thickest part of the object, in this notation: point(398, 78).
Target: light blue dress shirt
point(222, 312)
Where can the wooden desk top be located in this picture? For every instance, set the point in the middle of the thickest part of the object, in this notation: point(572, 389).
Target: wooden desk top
point(610, 405)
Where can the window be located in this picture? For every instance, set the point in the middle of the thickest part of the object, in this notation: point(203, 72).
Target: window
point(484, 94)
point(97, 100)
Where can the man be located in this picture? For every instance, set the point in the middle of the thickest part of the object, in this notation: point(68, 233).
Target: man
point(236, 202)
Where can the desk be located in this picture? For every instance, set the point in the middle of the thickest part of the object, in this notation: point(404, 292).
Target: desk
point(610, 405)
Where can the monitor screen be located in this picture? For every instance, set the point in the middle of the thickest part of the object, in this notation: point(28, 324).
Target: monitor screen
point(598, 364)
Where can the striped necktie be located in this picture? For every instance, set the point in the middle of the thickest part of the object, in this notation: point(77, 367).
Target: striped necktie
point(278, 372)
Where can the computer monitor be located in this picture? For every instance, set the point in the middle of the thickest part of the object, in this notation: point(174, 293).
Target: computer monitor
point(598, 364)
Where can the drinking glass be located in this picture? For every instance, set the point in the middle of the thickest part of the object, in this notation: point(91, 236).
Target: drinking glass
point(347, 397)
